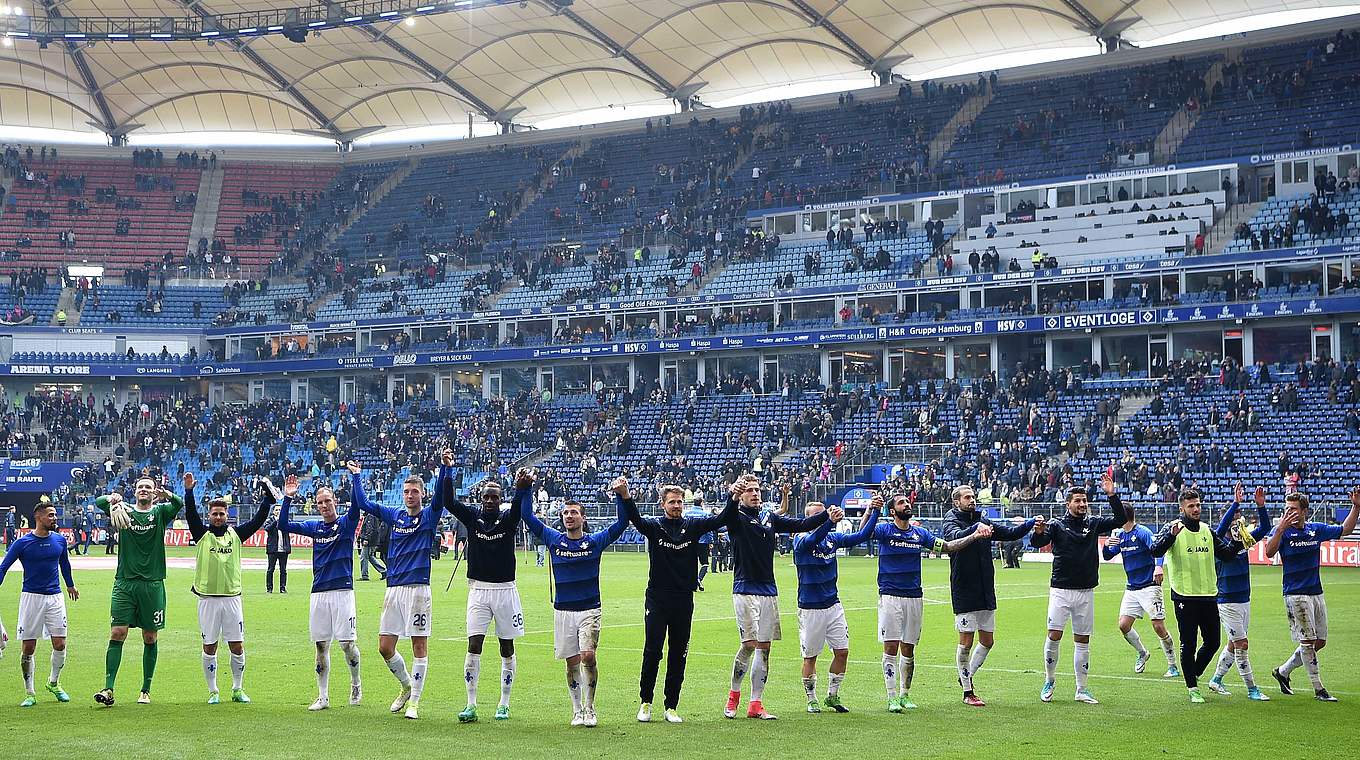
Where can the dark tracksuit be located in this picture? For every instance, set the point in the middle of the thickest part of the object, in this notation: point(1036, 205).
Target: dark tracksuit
point(972, 574)
point(1196, 616)
point(672, 577)
point(1076, 546)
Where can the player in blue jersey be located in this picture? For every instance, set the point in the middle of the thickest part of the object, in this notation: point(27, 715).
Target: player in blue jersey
point(900, 545)
point(1299, 544)
point(575, 557)
point(753, 533)
point(332, 616)
point(1234, 591)
point(1143, 594)
point(821, 618)
point(42, 610)
point(407, 607)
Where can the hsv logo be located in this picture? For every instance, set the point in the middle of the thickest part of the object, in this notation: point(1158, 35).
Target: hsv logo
point(1050, 323)
point(1009, 325)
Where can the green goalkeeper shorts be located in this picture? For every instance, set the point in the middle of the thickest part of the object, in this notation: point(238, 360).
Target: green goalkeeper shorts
point(138, 604)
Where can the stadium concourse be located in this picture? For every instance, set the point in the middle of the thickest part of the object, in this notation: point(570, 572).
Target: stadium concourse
point(1097, 322)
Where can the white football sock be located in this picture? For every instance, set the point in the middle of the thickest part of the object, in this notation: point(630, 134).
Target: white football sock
point(810, 687)
point(26, 668)
point(890, 675)
point(238, 670)
point(351, 651)
point(398, 667)
point(58, 660)
point(961, 654)
point(472, 670)
point(740, 667)
point(1135, 641)
point(590, 676)
point(760, 673)
point(1310, 664)
point(1081, 663)
point(908, 672)
point(574, 688)
point(323, 669)
point(1169, 649)
point(507, 679)
point(1244, 668)
point(210, 671)
point(1051, 651)
point(980, 653)
point(1295, 661)
point(418, 667)
point(1225, 661)
point(834, 687)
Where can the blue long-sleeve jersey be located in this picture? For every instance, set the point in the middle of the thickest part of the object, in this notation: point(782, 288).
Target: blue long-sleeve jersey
point(814, 556)
point(332, 546)
point(1234, 575)
point(752, 533)
point(1301, 554)
point(1136, 547)
point(42, 558)
point(408, 548)
point(575, 561)
point(899, 560)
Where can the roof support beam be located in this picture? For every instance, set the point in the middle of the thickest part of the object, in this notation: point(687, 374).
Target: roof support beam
point(660, 82)
point(86, 76)
point(322, 120)
point(978, 9)
point(760, 43)
point(820, 20)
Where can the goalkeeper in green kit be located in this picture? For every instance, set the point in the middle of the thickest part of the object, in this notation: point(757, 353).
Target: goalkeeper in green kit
point(138, 599)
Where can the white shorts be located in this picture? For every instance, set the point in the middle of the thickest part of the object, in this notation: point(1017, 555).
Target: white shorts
point(220, 617)
point(1236, 618)
point(332, 615)
point(494, 601)
point(1077, 605)
point(407, 612)
point(757, 617)
point(822, 628)
point(1307, 616)
point(977, 620)
point(575, 631)
point(899, 618)
point(41, 616)
point(1147, 600)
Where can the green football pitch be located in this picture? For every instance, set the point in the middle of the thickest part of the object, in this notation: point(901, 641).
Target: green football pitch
point(1138, 715)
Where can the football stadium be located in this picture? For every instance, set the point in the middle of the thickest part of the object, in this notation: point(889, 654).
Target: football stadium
point(662, 378)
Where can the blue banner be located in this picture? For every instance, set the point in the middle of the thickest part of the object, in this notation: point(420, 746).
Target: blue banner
point(790, 339)
point(38, 476)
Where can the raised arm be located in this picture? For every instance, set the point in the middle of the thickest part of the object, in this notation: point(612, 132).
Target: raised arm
point(1011, 532)
point(256, 521)
point(815, 537)
point(1111, 549)
point(196, 526)
point(711, 523)
point(868, 522)
point(1348, 525)
point(782, 524)
point(978, 531)
point(603, 538)
point(542, 532)
point(1229, 516)
point(1162, 542)
point(357, 495)
point(1043, 533)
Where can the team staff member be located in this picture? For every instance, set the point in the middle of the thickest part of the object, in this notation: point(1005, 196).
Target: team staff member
point(672, 571)
point(1190, 548)
point(1075, 538)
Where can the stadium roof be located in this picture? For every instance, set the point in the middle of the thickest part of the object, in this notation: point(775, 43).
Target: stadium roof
point(532, 61)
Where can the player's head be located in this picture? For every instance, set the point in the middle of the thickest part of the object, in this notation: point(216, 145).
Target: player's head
point(491, 496)
point(901, 507)
point(217, 512)
point(1299, 503)
point(573, 518)
point(1190, 503)
point(673, 501)
point(1077, 505)
point(413, 493)
point(144, 489)
point(325, 503)
point(964, 498)
point(749, 495)
point(45, 516)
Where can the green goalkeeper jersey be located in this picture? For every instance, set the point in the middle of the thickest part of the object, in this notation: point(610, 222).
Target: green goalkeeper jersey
point(141, 547)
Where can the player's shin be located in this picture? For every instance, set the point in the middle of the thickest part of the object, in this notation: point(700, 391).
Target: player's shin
point(210, 671)
point(113, 657)
point(323, 668)
point(890, 675)
point(472, 670)
point(961, 663)
point(351, 651)
point(760, 673)
point(149, 654)
point(507, 679)
point(418, 668)
point(238, 670)
point(26, 669)
point(740, 667)
point(58, 662)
